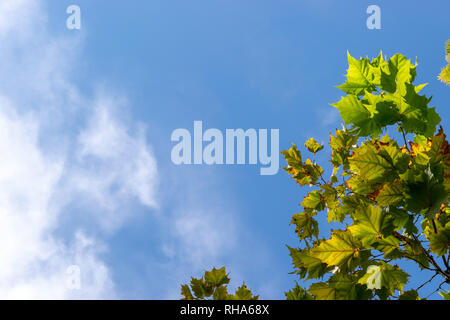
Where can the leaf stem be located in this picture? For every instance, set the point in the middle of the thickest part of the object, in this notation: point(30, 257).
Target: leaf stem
point(404, 138)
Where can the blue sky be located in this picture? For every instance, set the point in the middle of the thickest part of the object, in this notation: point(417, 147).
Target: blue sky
point(95, 108)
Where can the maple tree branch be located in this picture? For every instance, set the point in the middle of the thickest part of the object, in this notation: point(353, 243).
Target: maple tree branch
point(439, 288)
point(434, 226)
point(443, 258)
point(428, 281)
point(420, 263)
point(404, 138)
point(433, 262)
point(446, 263)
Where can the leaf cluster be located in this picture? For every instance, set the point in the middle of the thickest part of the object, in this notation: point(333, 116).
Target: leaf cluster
point(394, 198)
point(390, 198)
point(444, 76)
point(213, 285)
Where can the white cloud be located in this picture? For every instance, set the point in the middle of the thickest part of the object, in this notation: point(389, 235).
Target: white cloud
point(112, 166)
point(206, 236)
point(124, 160)
point(17, 14)
point(33, 262)
point(327, 116)
point(42, 172)
point(64, 155)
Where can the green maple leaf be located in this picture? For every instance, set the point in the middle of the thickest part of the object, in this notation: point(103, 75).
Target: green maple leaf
point(409, 295)
point(425, 192)
point(293, 156)
point(306, 225)
point(445, 295)
point(402, 219)
point(447, 50)
point(415, 114)
point(383, 112)
point(438, 233)
point(322, 291)
point(359, 186)
point(303, 173)
point(216, 277)
point(337, 214)
point(391, 194)
point(313, 146)
point(398, 100)
point(384, 275)
point(306, 264)
point(370, 165)
point(314, 200)
point(340, 287)
point(298, 293)
point(360, 76)
point(444, 76)
point(186, 293)
point(415, 252)
point(243, 293)
point(354, 112)
point(341, 250)
point(199, 288)
point(440, 242)
point(402, 70)
point(221, 293)
point(390, 246)
point(342, 140)
point(439, 150)
point(341, 144)
point(389, 150)
point(371, 224)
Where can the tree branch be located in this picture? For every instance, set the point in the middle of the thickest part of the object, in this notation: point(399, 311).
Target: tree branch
point(439, 288)
point(404, 138)
point(433, 262)
point(420, 287)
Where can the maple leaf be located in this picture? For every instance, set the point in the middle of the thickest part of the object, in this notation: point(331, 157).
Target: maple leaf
point(298, 293)
point(306, 225)
point(313, 146)
point(340, 287)
point(391, 194)
point(360, 76)
point(384, 275)
point(216, 277)
point(341, 250)
point(243, 293)
point(371, 224)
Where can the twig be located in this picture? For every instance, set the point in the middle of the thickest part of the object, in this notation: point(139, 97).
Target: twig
point(404, 138)
point(433, 262)
point(420, 287)
point(439, 288)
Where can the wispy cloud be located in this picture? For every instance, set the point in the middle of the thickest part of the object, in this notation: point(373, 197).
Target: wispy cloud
point(59, 148)
point(112, 166)
point(33, 262)
point(73, 170)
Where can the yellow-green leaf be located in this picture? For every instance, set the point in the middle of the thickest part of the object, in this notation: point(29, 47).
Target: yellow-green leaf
point(313, 146)
point(385, 275)
point(341, 250)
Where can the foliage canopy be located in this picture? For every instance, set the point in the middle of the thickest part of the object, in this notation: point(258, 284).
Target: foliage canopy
point(390, 197)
